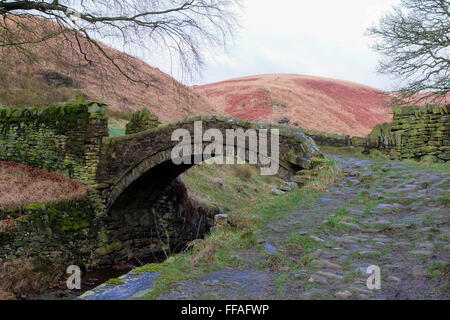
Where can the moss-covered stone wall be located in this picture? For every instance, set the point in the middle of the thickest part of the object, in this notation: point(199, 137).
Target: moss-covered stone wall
point(53, 236)
point(416, 132)
point(62, 233)
point(66, 139)
point(80, 232)
point(422, 131)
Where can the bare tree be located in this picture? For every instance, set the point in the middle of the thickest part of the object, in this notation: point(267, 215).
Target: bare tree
point(180, 29)
point(415, 41)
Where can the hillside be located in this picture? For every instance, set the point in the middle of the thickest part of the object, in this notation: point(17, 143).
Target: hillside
point(58, 73)
point(309, 102)
point(54, 72)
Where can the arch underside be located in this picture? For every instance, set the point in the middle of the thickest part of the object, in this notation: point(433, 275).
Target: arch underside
point(148, 213)
point(158, 171)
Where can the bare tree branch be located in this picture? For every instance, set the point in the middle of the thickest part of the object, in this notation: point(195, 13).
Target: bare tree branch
point(182, 29)
point(414, 40)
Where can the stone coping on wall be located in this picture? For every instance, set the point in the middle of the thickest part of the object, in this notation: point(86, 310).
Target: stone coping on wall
point(53, 113)
point(418, 110)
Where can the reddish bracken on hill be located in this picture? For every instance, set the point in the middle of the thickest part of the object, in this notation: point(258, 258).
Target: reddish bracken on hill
point(21, 185)
point(310, 102)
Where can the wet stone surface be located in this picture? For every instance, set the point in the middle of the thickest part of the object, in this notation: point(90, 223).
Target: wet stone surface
point(226, 284)
point(132, 286)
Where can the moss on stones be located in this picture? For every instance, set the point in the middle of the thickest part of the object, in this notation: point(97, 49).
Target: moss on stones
point(109, 248)
point(150, 268)
point(60, 233)
point(115, 282)
point(142, 120)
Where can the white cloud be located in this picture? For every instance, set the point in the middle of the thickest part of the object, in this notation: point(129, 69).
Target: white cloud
point(322, 38)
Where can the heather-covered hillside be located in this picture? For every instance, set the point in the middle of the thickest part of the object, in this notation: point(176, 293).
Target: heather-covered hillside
point(310, 102)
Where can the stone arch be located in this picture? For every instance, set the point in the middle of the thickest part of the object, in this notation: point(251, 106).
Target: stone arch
point(158, 170)
point(145, 157)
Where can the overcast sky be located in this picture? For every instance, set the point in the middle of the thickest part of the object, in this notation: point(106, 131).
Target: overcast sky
point(321, 38)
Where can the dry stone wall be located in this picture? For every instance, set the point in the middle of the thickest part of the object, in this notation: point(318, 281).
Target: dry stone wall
point(416, 132)
point(66, 139)
point(422, 131)
point(79, 232)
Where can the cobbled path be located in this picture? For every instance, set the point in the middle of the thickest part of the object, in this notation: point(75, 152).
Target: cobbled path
point(387, 214)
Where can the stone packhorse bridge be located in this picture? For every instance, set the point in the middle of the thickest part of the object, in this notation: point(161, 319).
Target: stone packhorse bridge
point(74, 140)
point(144, 159)
point(127, 174)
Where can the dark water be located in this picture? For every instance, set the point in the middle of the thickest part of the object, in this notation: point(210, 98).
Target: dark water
point(94, 278)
